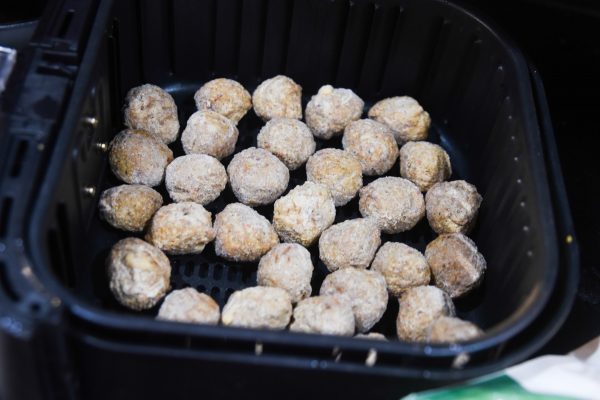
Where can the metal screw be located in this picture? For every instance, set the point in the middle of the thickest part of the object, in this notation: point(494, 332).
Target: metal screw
point(102, 147)
point(91, 121)
point(90, 191)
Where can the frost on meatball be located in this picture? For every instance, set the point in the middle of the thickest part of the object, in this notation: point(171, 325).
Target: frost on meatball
point(402, 267)
point(364, 290)
point(456, 265)
point(327, 315)
point(289, 140)
point(189, 305)
point(395, 203)
point(195, 177)
point(208, 132)
point(302, 214)
point(139, 157)
point(181, 228)
point(289, 267)
point(151, 109)
point(224, 96)
point(138, 273)
point(278, 97)
point(424, 164)
point(349, 244)
point(372, 144)
point(452, 207)
point(258, 307)
point(330, 110)
point(257, 177)
point(337, 170)
point(420, 306)
point(452, 330)
point(404, 115)
point(242, 234)
point(129, 207)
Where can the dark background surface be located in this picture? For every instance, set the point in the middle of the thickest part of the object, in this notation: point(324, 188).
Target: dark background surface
point(562, 38)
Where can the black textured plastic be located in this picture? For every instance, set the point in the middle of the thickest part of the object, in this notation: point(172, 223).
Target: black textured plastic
point(474, 83)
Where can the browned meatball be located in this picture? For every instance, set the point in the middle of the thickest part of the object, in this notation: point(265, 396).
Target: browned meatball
point(139, 157)
point(129, 207)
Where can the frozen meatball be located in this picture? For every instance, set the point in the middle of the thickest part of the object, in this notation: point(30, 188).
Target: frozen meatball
point(364, 290)
point(420, 306)
point(337, 170)
point(278, 97)
point(257, 177)
point(208, 132)
point(327, 315)
point(371, 335)
point(402, 267)
point(242, 234)
point(196, 177)
point(289, 140)
point(224, 96)
point(129, 207)
point(287, 266)
point(258, 307)
point(139, 273)
point(181, 228)
point(330, 110)
point(404, 115)
point(139, 157)
point(302, 214)
point(424, 164)
point(395, 203)
point(153, 110)
point(189, 305)
point(452, 207)
point(372, 144)
point(452, 330)
point(456, 265)
point(349, 244)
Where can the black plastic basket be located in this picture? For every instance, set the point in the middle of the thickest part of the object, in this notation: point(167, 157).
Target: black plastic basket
point(53, 288)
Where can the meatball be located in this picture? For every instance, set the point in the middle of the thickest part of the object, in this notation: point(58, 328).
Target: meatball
point(151, 109)
point(424, 164)
point(242, 234)
point(302, 214)
point(189, 305)
point(208, 132)
point(371, 335)
point(420, 306)
point(402, 267)
point(224, 96)
point(278, 97)
point(196, 177)
point(404, 115)
point(452, 330)
point(452, 207)
point(337, 170)
point(258, 307)
point(327, 315)
point(364, 290)
point(129, 207)
point(372, 144)
point(349, 244)
point(287, 266)
point(456, 265)
point(181, 228)
point(395, 203)
point(139, 157)
point(139, 273)
point(330, 110)
point(257, 177)
point(289, 140)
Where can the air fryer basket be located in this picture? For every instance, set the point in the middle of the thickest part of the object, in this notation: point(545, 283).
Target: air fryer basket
point(474, 83)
